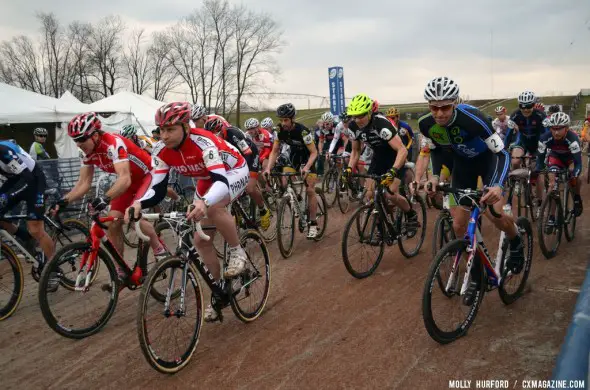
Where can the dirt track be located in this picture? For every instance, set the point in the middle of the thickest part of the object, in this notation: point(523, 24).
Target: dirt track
point(321, 329)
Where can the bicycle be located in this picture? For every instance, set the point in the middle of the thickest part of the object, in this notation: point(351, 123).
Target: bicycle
point(374, 225)
point(180, 276)
point(521, 185)
point(59, 231)
point(480, 273)
point(57, 308)
point(293, 205)
point(562, 221)
point(330, 183)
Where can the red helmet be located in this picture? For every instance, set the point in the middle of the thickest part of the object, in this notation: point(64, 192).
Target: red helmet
point(215, 124)
point(540, 107)
point(375, 107)
point(84, 125)
point(173, 114)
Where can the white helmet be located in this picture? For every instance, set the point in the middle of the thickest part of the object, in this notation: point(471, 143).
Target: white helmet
point(527, 97)
point(558, 119)
point(327, 117)
point(251, 123)
point(441, 88)
point(267, 123)
point(198, 112)
point(500, 109)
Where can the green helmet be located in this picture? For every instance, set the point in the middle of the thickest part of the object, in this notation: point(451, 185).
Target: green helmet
point(360, 104)
point(129, 131)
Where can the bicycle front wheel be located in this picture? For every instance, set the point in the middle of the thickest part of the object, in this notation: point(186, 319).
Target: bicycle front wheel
point(413, 234)
point(512, 285)
point(321, 217)
point(169, 332)
point(569, 219)
point(550, 225)
point(11, 282)
point(285, 227)
point(330, 186)
point(343, 195)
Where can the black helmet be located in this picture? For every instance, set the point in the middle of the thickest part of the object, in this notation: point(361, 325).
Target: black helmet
point(286, 110)
point(553, 109)
point(344, 116)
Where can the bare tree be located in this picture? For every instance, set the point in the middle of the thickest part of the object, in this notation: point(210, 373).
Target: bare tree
point(138, 65)
point(106, 49)
point(55, 54)
point(256, 37)
point(80, 60)
point(184, 56)
point(21, 65)
point(165, 76)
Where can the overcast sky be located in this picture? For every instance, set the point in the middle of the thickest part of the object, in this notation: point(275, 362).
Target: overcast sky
point(388, 49)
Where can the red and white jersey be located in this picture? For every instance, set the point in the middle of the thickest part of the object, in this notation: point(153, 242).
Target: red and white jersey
point(200, 154)
point(113, 149)
point(263, 142)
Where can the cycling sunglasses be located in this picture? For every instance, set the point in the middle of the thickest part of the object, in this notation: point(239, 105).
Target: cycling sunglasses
point(526, 106)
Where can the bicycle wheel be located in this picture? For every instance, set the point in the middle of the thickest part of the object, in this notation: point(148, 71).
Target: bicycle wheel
point(56, 306)
point(11, 282)
point(569, 220)
point(74, 231)
point(321, 213)
point(343, 194)
point(130, 237)
point(271, 232)
point(411, 240)
point(169, 334)
point(285, 227)
point(455, 252)
point(330, 186)
point(511, 286)
point(364, 228)
point(528, 199)
point(549, 231)
point(251, 288)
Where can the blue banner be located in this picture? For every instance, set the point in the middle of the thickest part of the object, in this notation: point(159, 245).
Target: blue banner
point(336, 79)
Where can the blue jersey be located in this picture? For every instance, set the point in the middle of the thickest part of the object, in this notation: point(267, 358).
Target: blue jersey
point(530, 128)
point(468, 134)
point(566, 149)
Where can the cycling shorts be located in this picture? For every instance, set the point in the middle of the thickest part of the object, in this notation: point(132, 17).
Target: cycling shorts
point(466, 171)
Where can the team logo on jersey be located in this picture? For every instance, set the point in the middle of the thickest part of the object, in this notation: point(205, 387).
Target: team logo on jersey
point(439, 135)
point(386, 134)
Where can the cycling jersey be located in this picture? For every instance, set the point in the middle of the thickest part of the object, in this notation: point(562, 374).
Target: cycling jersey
point(562, 152)
point(529, 130)
point(23, 180)
point(331, 137)
point(405, 132)
point(244, 144)
point(298, 138)
point(219, 166)
point(501, 127)
point(263, 142)
point(471, 139)
point(38, 152)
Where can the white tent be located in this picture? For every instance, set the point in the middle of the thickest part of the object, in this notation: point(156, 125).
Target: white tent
point(129, 108)
point(65, 147)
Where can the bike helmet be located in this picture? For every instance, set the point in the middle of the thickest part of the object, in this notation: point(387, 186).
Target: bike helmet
point(344, 116)
point(267, 123)
point(392, 111)
point(361, 104)
point(527, 97)
point(198, 112)
point(214, 125)
point(129, 131)
point(41, 132)
point(84, 125)
point(553, 109)
point(375, 106)
point(500, 109)
point(558, 119)
point(286, 110)
point(327, 117)
point(251, 123)
point(540, 107)
point(173, 114)
point(441, 88)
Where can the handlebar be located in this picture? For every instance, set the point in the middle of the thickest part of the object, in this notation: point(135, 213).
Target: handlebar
point(474, 195)
point(157, 217)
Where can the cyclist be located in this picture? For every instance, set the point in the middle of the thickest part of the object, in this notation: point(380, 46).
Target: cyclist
point(565, 150)
point(144, 142)
point(389, 153)
point(502, 122)
point(477, 150)
point(329, 139)
point(24, 181)
point(156, 134)
point(222, 175)
point(249, 151)
point(37, 151)
point(112, 153)
point(375, 108)
point(553, 109)
point(199, 116)
point(529, 128)
point(404, 130)
point(303, 155)
point(262, 138)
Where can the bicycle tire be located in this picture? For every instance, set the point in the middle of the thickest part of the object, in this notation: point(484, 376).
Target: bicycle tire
point(155, 359)
point(286, 250)
point(355, 223)
point(545, 208)
point(343, 195)
point(442, 235)
point(526, 230)
point(271, 233)
point(569, 220)
point(51, 319)
point(246, 278)
point(330, 186)
point(528, 194)
point(400, 242)
point(432, 328)
point(81, 227)
point(322, 211)
point(8, 309)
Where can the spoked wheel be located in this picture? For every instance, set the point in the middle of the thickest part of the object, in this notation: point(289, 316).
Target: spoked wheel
point(74, 231)
point(11, 282)
point(285, 227)
point(271, 232)
point(93, 308)
point(549, 225)
point(512, 285)
point(412, 236)
point(362, 242)
point(321, 214)
point(168, 333)
point(443, 234)
point(251, 288)
point(569, 219)
point(343, 195)
point(330, 186)
point(446, 313)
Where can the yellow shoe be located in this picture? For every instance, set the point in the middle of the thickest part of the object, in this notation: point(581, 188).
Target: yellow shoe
point(265, 220)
